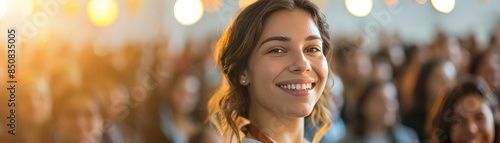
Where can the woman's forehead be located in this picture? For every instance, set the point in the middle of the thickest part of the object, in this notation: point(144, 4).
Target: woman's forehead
point(290, 23)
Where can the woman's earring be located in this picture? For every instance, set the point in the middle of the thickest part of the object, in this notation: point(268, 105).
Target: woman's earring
point(244, 82)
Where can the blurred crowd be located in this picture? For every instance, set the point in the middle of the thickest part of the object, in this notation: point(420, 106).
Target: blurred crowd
point(143, 93)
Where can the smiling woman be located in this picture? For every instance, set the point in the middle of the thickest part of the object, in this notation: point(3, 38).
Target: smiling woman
point(273, 76)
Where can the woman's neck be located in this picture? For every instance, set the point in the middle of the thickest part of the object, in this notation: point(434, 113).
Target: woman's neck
point(276, 126)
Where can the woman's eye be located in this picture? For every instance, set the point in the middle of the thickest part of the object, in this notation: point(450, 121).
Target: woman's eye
point(313, 49)
point(276, 51)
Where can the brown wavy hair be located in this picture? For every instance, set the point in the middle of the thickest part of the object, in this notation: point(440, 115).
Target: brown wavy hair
point(232, 55)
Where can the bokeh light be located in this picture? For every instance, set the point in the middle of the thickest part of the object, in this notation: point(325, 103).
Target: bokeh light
point(359, 8)
point(421, 1)
point(212, 5)
point(25, 7)
point(102, 12)
point(71, 8)
point(135, 6)
point(188, 12)
point(444, 6)
point(391, 2)
point(3, 7)
point(245, 3)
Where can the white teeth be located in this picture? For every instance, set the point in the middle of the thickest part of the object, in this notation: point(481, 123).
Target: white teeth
point(304, 86)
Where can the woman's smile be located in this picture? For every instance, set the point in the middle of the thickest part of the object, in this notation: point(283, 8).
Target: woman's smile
point(298, 87)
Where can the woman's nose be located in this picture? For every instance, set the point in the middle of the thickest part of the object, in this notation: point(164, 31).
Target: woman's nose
point(300, 63)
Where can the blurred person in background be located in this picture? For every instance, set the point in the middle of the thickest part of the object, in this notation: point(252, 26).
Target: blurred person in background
point(393, 50)
point(448, 47)
point(377, 118)
point(487, 66)
point(78, 117)
point(353, 65)
point(176, 110)
point(338, 129)
point(468, 113)
point(409, 75)
point(382, 69)
point(273, 76)
point(495, 40)
point(115, 98)
point(33, 110)
point(436, 77)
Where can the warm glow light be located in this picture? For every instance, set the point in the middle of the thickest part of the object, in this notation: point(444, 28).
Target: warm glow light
point(135, 6)
point(25, 7)
point(444, 6)
point(245, 3)
point(3, 7)
point(102, 12)
point(359, 8)
point(421, 1)
point(188, 12)
point(211, 5)
point(71, 8)
point(391, 2)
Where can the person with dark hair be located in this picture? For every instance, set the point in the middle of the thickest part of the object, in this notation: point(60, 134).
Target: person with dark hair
point(353, 65)
point(467, 113)
point(487, 66)
point(436, 76)
point(376, 117)
point(178, 102)
point(409, 75)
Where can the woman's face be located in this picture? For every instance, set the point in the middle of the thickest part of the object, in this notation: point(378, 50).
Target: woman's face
point(381, 107)
point(287, 69)
point(80, 120)
point(473, 121)
point(490, 71)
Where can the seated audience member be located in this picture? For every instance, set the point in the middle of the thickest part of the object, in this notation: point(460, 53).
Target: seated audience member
point(78, 117)
point(468, 113)
point(376, 119)
point(435, 78)
point(487, 66)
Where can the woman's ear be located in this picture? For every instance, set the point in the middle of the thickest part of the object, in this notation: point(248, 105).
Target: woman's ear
point(244, 79)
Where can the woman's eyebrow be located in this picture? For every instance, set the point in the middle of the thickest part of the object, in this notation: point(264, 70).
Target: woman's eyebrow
point(288, 39)
point(313, 37)
point(276, 38)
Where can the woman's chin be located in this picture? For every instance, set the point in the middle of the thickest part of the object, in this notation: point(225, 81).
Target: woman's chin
point(300, 113)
